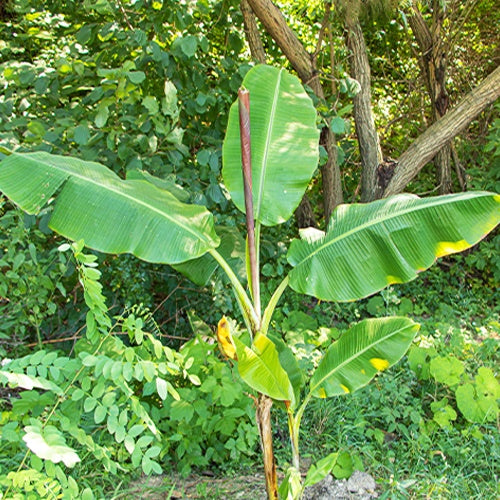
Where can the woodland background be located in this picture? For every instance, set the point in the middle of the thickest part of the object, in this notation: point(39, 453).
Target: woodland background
point(406, 97)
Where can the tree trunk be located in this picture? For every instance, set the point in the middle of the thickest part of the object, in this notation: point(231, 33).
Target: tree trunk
point(304, 214)
point(433, 64)
point(425, 147)
point(369, 146)
point(443, 162)
point(252, 33)
point(275, 24)
point(330, 174)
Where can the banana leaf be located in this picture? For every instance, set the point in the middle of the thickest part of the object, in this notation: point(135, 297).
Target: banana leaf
point(290, 364)
point(259, 366)
point(284, 139)
point(371, 346)
point(232, 248)
point(168, 185)
point(370, 246)
point(110, 214)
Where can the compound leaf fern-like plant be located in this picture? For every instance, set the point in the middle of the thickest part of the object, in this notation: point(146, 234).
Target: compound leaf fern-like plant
point(269, 156)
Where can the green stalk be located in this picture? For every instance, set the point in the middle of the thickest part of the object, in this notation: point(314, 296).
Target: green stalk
point(271, 306)
point(252, 321)
point(293, 430)
point(300, 412)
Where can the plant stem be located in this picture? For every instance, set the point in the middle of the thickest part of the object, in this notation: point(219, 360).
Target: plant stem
point(252, 321)
point(263, 416)
point(300, 411)
point(273, 301)
point(293, 429)
point(263, 402)
point(246, 161)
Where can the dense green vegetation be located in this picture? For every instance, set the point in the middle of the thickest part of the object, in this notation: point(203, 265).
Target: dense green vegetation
point(114, 355)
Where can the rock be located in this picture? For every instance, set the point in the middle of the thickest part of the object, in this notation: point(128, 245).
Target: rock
point(326, 489)
point(361, 483)
point(360, 486)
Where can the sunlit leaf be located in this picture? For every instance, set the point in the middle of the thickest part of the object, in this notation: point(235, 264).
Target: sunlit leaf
point(366, 348)
point(49, 444)
point(284, 145)
point(370, 246)
point(260, 368)
point(29, 382)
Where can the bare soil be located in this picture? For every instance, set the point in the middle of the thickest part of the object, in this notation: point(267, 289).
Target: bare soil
point(361, 486)
point(198, 486)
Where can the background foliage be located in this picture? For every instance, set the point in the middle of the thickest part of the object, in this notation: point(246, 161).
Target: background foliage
point(147, 85)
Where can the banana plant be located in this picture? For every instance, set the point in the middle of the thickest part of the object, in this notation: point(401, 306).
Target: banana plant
point(270, 153)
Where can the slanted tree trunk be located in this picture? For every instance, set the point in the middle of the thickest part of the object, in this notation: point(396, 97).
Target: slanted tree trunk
point(252, 33)
point(426, 146)
point(394, 176)
point(275, 24)
point(433, 62)
point(369, 146)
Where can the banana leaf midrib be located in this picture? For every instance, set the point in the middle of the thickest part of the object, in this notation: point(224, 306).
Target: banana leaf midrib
point(109, 188)
point(358, 354)
point(371, 222)
point(270, 126)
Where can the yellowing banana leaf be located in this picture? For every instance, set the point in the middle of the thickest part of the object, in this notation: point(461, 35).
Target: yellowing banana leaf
point(110, 214)
point(284, 139)
point(368, 347)
point(225, 339)
point(260, 368)
point(369, 246)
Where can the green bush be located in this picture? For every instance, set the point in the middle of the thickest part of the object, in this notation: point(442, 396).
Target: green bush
point(456, 366)
point(33, 288)
point(121, 399)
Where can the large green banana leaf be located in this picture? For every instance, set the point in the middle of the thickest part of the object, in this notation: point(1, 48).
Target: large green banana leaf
point(111, 215)
point(260, 368)
point(368, 347)
point(290, 364)
point(369, 246)
point(166, 184)
point(284, 145)
point(232, 248)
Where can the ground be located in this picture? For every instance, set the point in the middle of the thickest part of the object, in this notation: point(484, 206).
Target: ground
point(247, 487)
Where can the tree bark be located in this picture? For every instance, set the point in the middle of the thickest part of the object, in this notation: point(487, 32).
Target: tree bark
point(369, 146)
point(425, 147)
point(433, 63)
point(275, 24)
point(252, 33)
point(304, 214)
point(330, 174)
